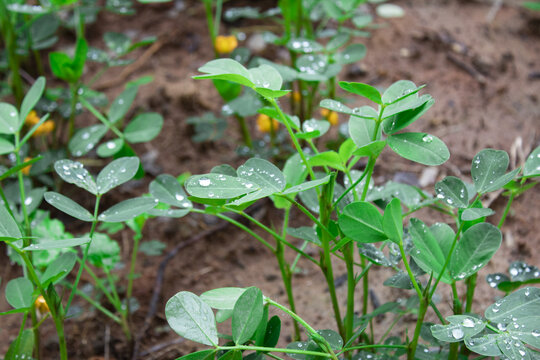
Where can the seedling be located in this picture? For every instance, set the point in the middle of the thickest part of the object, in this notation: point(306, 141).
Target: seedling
point(356, 213)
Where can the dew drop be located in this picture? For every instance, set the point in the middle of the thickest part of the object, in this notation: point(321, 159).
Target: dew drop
point(205, 182)
point(427, 138)
point(468, 322)
point(457, 333)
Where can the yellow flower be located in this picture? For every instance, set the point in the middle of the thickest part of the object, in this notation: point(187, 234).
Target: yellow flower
point(296, 96)
point(331, 116)
point(41, 305)
point(26, 170)
point(32, 118)
point(46, 128)
point(225, 44)
point(264, 123)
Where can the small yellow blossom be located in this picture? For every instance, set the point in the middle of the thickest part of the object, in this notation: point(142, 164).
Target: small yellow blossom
point(41, 305)
point(296, 96)
point(26, 170)
point(32, 118)
point(331, 116)
point(46, 128)
point(264, 123)
point(225, 44)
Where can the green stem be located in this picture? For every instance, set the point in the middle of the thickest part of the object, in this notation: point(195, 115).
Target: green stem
point(210, 22)
point(58, 318)
point(246, 136)
point(95, 304)
point(131, 276)
point(452, 248)
point(387, 332)
point(458, 309)
point(293, 138)
point(268, 349)
point(8, 33)
point(325, 208)
point(411, 349)
point(85, 254)
point(240, 226)
point(74, 89)
point(312, 332)
point(373, 346)
point(102, 118)
point(307, 213)
point(409, 271)
point(35, 330)
point(27, 227)
point(348, 253)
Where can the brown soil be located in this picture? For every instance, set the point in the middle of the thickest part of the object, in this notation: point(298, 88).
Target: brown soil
point(483, 76)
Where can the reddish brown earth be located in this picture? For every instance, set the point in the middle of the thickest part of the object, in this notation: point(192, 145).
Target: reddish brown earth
point(483, 76)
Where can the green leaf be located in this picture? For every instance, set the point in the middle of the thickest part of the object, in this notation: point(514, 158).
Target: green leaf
point(117, 42)
point(247, 315)
point(31, 98)
point(399, 90)
point(460, 327)
point(9, 119)
point(192, 318)
point(362, 222)
point(351, 54)
point(8, 226)
point(532, 164)
point(305, 233)
point(474, 214)
point(226, 69)
point(393, 221)
point(475, 248)
point(372, 149)
point(23, 346)
point(120, 106)
point(168, 190)
point(59, 268)
point(333, 338)
point(203, 354)
point(306, 186)
point(419, 147)
point(427, 252)
point(527, 329)
point(364, 90)
point(19, 293)
point(362, 131)
point(68, 206)
point(263, 173)
point(219, 186)
point(327, 158)
point(512, 348)
point(404, 116)
point(86, 139)
point(73, 172)
point(104, 252)
point(484, 345)
point(144, 127)
point(336, 106)
point(110, 148)
point(127, 209)
point(265, 77)
point(222, 298)
point(273, 330)
point(453, 192)
point(337, 41)
point(56, 244)
point(488, 170)
point(116, 173)
point(518, 305)
point(532, 5)
point(304, 46)
point(313, 128)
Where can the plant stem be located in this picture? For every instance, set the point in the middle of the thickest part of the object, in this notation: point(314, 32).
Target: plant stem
point(411, 349)
point(85, 254)
point(267, 349)
point(348, 253)
point(246, 136)
point(210, 22)
point(8, 33)
point(409, 271)
point(293, 137)
point(325, 208)
point(74, 90)
point(373, 346)
point(102, 118)
point(313, 333)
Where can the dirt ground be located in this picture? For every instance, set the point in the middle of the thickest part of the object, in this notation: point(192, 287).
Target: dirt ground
point(483, 75)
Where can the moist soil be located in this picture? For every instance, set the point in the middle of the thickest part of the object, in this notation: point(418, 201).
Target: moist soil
point(481, 67)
